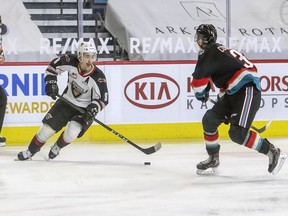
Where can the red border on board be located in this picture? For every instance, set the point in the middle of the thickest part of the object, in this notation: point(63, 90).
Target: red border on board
point(139, 62)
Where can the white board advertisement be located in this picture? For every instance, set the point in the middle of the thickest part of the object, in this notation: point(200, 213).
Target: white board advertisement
point(139, 93)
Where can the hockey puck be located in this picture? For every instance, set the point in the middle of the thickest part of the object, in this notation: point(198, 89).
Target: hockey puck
point(147, 163)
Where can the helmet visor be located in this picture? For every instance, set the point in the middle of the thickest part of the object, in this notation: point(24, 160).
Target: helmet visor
point(198, 36)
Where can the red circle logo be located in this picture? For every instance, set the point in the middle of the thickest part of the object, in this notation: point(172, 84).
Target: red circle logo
point(152, 91)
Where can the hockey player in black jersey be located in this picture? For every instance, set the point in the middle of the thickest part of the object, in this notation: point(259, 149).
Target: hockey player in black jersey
point(238, 100)
point(86, 88)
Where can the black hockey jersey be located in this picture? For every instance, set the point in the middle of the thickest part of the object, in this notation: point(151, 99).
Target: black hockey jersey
point(228, 69)
point(82, 89)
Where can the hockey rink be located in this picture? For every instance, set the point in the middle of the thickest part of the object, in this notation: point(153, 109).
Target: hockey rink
point(112, 180)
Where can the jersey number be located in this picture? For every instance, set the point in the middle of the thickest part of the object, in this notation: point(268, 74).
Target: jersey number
point(242, 58)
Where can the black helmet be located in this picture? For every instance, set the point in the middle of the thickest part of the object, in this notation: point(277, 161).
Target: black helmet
point(206, 32)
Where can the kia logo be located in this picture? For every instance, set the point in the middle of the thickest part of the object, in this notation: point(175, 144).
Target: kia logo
point(152, 91)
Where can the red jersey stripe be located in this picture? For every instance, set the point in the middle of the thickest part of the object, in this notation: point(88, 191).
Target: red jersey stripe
point(200, 82)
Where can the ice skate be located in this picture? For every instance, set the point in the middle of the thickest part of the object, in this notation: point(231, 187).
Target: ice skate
point(209, 166)
point(276, 159)
point(2, 141)
point(54, 151)
point(25, 155)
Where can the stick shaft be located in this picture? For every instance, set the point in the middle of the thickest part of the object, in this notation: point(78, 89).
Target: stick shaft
point(149, 150)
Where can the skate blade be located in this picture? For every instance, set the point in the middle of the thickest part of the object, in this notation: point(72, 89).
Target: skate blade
point(281, 161)
point(208, 172)
point(17, 159)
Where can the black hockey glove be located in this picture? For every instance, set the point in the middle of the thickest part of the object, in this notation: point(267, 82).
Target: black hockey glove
point(203, 98)
point(92, 109)
point(51, 88)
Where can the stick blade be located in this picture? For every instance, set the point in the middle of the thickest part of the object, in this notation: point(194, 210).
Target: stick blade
point(262, 129)
point(153, 149)
point(268, 124)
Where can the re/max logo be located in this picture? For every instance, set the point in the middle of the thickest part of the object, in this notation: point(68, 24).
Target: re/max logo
point(31, 84)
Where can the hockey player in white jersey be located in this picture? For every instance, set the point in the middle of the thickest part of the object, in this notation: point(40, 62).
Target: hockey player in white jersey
point(86, 88)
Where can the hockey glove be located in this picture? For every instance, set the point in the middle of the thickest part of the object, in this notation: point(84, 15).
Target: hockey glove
point(51, 88)
point(92, 109)
point(204, 96)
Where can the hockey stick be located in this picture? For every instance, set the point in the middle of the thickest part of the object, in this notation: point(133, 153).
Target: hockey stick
point(259, 130)
point(147, 151)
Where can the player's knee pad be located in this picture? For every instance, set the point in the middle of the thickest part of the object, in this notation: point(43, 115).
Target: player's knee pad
point(210, 121)
point(72, 131)
point(45, 132)
point(238, 134)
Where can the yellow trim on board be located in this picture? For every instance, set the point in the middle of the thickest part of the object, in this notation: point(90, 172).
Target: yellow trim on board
point(142, 132)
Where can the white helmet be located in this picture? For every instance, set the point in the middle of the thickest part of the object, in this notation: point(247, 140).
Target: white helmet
point(86, 47)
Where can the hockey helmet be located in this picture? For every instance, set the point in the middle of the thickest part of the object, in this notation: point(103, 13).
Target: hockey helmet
point(86, 47)
point(207, 33)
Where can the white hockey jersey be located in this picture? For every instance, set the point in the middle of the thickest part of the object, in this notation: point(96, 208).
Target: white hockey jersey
point(82, 89)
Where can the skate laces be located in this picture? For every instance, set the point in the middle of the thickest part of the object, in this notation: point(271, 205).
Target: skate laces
point(208, 160)
point(211, 161)
point(24, 155)
point(55, 149)
point(27, 154)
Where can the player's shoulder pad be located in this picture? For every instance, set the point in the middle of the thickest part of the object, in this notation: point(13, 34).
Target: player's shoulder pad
point(98, 75)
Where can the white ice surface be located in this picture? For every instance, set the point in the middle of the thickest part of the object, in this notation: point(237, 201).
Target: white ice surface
point(112, 180)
